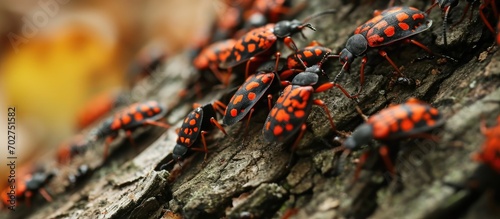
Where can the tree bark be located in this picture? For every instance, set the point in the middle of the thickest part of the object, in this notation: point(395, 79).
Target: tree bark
point(245, 177)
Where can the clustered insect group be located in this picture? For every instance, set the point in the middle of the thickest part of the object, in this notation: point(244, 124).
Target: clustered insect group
point(245, 44)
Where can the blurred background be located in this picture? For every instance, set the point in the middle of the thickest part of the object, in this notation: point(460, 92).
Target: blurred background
point(56, 55)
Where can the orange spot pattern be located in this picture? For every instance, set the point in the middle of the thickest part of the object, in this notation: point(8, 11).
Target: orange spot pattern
point(266, 78)
point(252, 43)
point(290, 109)
point(402, 17)
point(278, 130)
point(237, 99)
point(389, 31)
point(251, 96)
point(418, 16)
point(189, 128)
point(156, 109)
point(116, 124)
point(308, 54)
point(192, 122)
point(378, 30)
point(138, 117)
point(136, 112)
point(251, 47)
point(403, 26)
point(368, 25)
point(234, 112)
point(214, 53)
point(403, 118)
point(375, 40)
point(126, 119)
point(252, 85)
point(318, 52)
point(144, 108)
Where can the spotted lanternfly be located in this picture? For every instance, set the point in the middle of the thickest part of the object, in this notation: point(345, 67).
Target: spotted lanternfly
point(250, 92)
point(410, 119)
point(294, 105)
point(196, 125)
point(134, 116)
point(490, 152)
point(392, 25)
point(212, 56)
point(260, 42)
point(447, 5)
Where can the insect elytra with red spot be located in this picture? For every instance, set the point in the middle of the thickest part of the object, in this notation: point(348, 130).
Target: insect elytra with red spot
point(195, 126)
point(294, 105)
point(25, 187)
point(212, 55)
point(130, 118)
point(250, 92)
point(310, 55)
point(396, 122)
point(392, 25)
point(261, 42)
point(410, 119)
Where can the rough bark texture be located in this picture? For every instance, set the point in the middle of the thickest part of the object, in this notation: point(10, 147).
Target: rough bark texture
point(244, 177)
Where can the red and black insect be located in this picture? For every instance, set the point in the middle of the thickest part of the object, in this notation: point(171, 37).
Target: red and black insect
point(77, 145)
point(391, 26)
point(195, 126)
point(447, 5)
point(250, 92)
point(411, 119)
point(261, 42)
point(490, 152)
point(25, 188)
point(211, 56)
point(292, 108)
point(134, 116)
point(310, 55)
